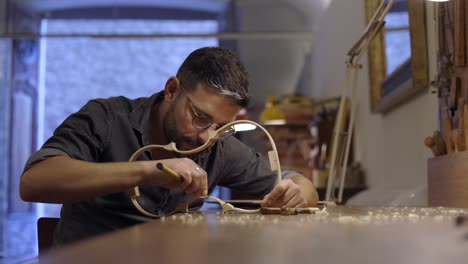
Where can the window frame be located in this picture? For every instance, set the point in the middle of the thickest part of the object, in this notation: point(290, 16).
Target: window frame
point(409, 79)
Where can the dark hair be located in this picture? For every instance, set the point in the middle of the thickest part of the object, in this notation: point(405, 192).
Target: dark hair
point(218, 68)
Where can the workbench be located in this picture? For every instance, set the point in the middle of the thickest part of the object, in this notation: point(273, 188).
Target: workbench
point(337, 234)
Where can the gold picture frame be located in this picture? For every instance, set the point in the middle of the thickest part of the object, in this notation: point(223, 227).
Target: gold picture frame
point(412, 77)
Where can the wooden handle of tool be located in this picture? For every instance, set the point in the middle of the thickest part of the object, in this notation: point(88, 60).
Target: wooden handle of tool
point(455, 139)
point(446, 125)
point(169, 171)
point(429, 142)
point(454, 87)
point(461, 124)
point(439, 142)
point(465, 124)
point(459, 57)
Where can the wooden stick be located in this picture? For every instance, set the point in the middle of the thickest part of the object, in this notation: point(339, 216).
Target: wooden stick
point(169, 171)
point(446, 124)
point(270, 210)
point(465, 122)
point(454, 93)
point(288, 211)
point(459, 28)
point(447, 134)
point(439, 142)
point(455, 140)
point(461, 124)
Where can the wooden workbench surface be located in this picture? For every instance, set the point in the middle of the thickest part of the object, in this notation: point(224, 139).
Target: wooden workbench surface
point(337, 235)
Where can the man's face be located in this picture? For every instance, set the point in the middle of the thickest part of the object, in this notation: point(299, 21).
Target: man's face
point(202, 102)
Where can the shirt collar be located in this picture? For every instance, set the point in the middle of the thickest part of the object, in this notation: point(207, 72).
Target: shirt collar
point(139, 117)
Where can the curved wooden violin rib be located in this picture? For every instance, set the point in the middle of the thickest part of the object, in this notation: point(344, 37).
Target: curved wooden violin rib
point(213, 137)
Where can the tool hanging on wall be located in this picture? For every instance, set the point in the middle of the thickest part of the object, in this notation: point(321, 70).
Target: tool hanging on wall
point(446, 176)
point(451, 58)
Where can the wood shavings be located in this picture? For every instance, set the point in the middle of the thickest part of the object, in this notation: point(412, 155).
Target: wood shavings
point(334, 215)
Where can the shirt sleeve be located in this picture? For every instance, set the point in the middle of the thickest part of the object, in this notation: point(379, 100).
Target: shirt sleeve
point(83, 134)
point(41, 155)
point(248, 171)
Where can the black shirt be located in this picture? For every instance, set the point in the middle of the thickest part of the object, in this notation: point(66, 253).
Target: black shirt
point(111, 130)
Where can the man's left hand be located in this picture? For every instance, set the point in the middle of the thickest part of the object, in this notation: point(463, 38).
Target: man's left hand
point(286, 194)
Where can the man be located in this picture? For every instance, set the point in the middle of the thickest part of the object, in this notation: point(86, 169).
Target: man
point(83, 165)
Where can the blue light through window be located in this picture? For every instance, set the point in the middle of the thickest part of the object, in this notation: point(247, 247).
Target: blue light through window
point(397, 39)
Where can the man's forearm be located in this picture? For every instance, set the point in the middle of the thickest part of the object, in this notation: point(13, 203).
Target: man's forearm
point(62, 179)
point(307, 189)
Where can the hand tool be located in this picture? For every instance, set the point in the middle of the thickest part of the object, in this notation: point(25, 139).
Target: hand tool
point(461, 124)
point(455, 140)
point(439, 142)
point(169, 171)
point(429, 142)
point(465, 122)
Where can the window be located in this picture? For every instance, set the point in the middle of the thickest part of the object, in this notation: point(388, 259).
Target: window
point(397, 39)
point(79, 69)
point(397, 59)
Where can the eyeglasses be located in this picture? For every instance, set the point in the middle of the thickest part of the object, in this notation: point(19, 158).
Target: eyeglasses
point(202, 122)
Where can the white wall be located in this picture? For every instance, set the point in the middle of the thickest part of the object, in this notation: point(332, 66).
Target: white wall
point(390, 146)
point(274, 65)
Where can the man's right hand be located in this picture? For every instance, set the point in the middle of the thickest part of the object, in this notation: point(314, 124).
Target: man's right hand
point(194, 178)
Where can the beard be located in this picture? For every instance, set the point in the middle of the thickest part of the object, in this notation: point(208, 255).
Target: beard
point(170, 130)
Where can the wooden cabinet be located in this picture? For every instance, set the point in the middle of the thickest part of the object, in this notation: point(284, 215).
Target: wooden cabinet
point(448, 180)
